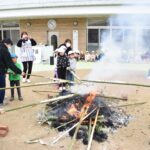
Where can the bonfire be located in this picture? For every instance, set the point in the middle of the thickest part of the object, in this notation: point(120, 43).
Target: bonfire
point(85, 117)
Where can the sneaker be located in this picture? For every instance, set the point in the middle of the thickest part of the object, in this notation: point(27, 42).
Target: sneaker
point(28, 80)
point(24, 80)
point(20, 98)
point(12, 99)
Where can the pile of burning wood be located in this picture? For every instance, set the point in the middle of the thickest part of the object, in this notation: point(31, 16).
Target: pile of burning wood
point(85, 117)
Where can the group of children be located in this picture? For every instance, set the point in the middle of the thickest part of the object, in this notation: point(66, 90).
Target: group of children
point(65, 64)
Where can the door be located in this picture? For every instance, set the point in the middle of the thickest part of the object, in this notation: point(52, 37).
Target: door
point(53, 39)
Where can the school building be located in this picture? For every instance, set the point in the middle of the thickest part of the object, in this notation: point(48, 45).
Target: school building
point(50, 22)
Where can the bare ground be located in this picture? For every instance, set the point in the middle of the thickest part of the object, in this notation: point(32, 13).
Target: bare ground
point(23, 125)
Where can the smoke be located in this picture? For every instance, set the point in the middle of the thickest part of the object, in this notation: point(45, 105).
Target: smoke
point(127, 42)
point(130, 41)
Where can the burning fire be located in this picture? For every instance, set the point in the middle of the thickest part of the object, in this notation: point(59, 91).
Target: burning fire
point(73, 111)
point(67, 114)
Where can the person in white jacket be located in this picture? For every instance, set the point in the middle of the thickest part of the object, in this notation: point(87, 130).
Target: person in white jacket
point(26, 54)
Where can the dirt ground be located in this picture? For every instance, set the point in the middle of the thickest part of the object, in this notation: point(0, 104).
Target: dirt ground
point(24, 126)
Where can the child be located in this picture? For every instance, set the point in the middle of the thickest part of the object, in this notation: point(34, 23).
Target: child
point(77, 54)
point(15, 78)
point(73, 62)
point(62, 64)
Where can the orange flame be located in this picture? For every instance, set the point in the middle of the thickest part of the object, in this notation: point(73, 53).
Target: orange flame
point(73, 111)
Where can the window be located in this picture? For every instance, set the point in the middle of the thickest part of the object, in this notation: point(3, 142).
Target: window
point(117, 35)
point(104, 35)
point(93, 36)
point(10, 30)
point(98, 22)
point(129, 39)
point(146, 37)
point(15, 35)
point(10, 25)
point(6, 34)
point(93, 39)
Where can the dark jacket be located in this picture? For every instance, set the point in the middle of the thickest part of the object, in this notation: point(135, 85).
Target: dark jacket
point(63, 62)
point(6, 61)
point(67, 48)
point(19, 44)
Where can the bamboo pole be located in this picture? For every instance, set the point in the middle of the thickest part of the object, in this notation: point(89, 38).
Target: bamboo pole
point(90, 129)
point(46, 91)
point(21, 107)
point(127, 105)
point(77, 128)
point(62, 135)
point(62, 80)
point(117, 83)
point(109, 82)
point(112, 97)
point(92, 133)
point(40, 76)
point(74, 74)
point(41, 102)
point(132, 104)
point(30, 85)
point(66, 123)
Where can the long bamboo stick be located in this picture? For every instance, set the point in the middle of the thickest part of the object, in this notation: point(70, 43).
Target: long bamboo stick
point(66, 123)
point(41, 102)
point(112, 97)
point(92, 133)
point(30, 85)
point(117, 83)
point(57, 139)
point(126, 105)
point(62, 80)
point(45, 91)
point(74, 74)
point(109, 82)
point(77, 129)
point(132, 104)
point(40, 76)
point(90, 129)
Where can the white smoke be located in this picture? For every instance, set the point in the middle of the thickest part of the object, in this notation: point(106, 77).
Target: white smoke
point(127, 48)
point(118, 50)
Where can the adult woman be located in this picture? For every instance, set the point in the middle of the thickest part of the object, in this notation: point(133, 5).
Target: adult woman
point(26, 54)
point(67, 44)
